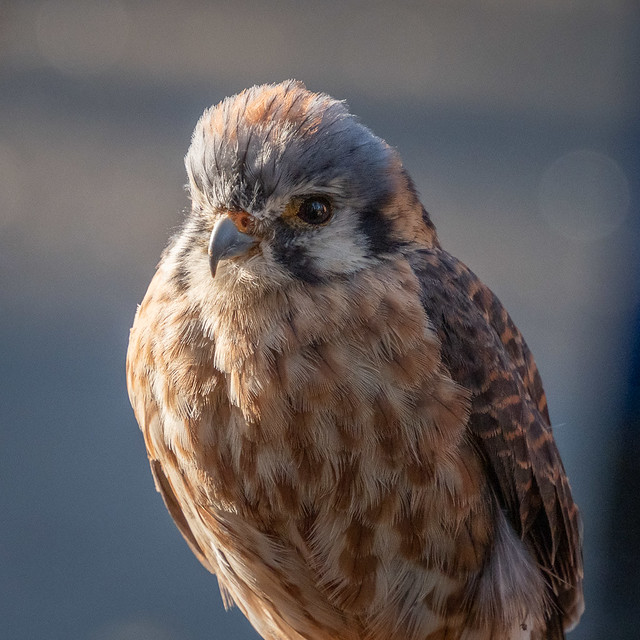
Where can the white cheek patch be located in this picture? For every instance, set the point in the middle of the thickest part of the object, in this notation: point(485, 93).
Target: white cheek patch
point(338, 248)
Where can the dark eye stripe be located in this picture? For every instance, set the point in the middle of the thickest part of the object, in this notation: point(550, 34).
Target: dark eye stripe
point(377, 228)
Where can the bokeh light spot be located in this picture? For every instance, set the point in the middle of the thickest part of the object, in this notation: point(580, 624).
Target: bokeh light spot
point(584, 195)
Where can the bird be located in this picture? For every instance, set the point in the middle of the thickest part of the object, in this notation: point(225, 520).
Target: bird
point(343, 421)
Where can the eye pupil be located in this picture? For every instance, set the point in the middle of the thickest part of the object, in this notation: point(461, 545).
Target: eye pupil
point(316, 210)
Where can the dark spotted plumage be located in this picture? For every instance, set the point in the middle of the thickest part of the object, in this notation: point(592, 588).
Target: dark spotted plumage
point(509, 420)
point(343, 421)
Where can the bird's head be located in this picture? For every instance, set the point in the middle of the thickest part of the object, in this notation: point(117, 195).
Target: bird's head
point(287, 184)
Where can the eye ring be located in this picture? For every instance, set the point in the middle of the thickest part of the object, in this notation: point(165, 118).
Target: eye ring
point(315, 210)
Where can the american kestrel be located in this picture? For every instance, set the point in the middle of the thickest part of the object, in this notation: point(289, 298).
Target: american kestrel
point(343, 421)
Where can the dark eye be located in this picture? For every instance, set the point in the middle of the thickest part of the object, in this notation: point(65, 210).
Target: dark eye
point(315, 210)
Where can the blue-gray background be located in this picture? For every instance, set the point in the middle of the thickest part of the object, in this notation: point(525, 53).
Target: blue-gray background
point(518, 121)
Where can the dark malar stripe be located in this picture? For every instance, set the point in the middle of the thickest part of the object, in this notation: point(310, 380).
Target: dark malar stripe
point(288, 252)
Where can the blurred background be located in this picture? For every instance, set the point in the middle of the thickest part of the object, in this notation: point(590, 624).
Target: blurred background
point(518, 121)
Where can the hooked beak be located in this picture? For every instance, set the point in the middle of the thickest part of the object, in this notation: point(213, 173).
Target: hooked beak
point(228, 241)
